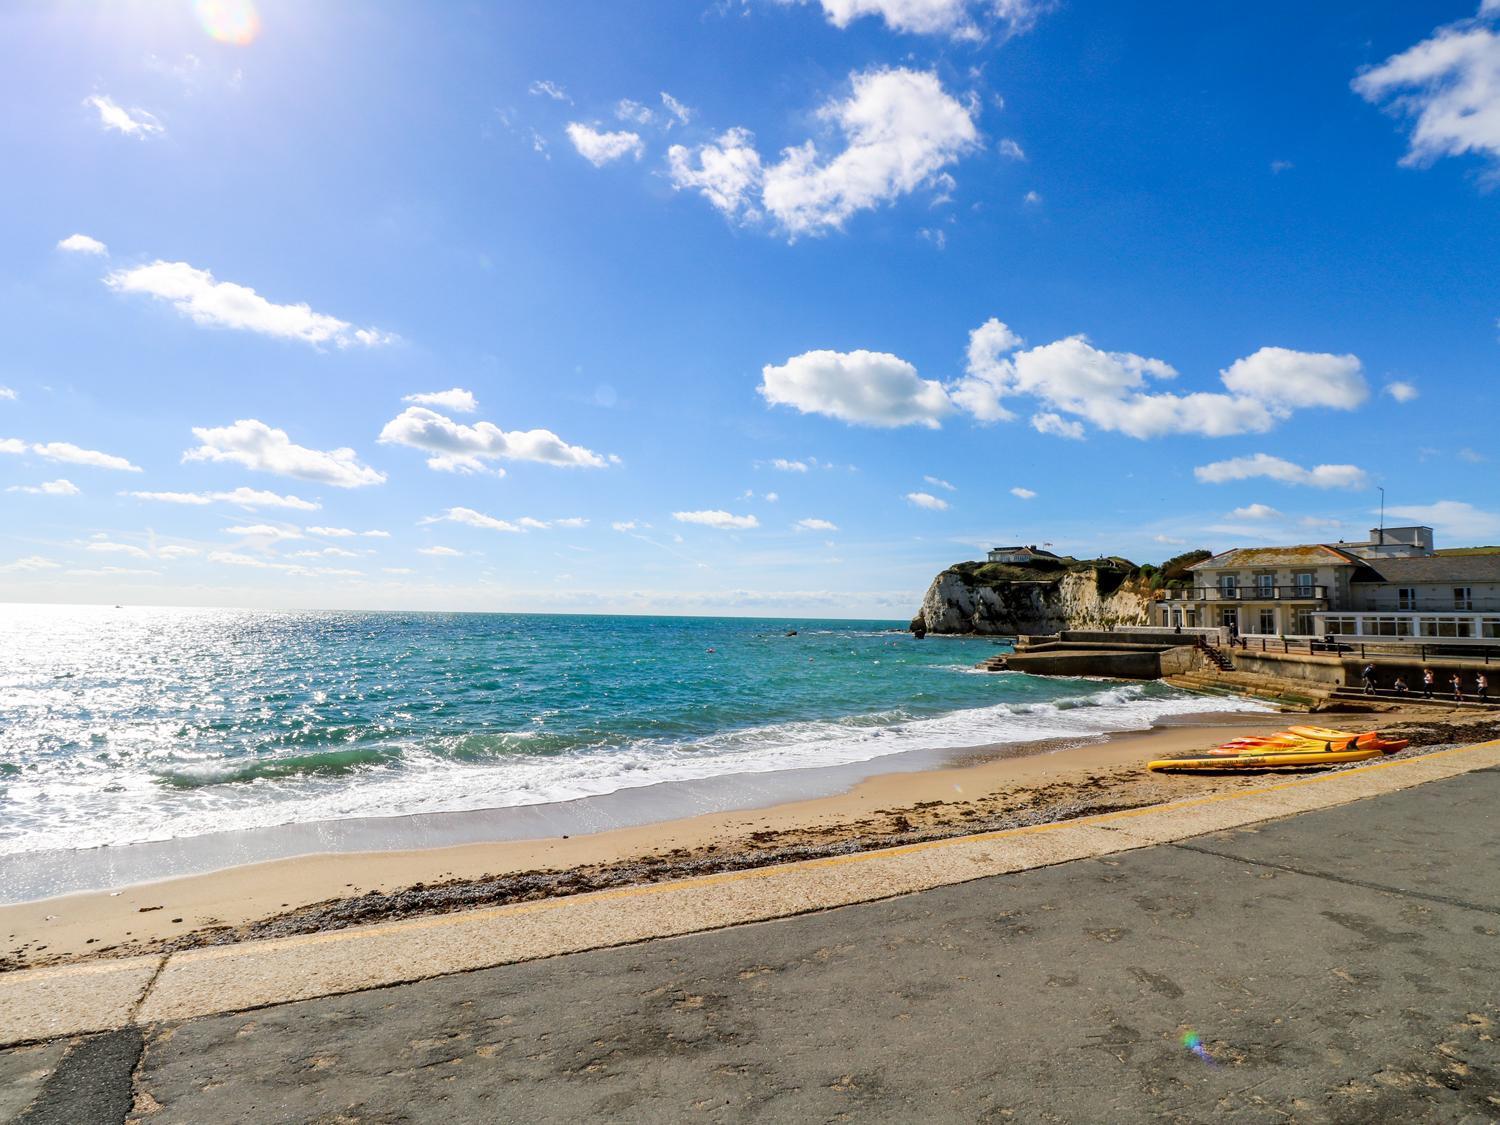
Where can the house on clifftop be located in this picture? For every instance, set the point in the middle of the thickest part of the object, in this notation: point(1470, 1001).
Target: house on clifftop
point(1015, 556)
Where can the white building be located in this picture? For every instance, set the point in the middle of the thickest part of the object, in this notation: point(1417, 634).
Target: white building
point(1394, 585)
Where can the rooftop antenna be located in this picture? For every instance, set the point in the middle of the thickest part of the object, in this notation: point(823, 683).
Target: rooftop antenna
point(1382, 514)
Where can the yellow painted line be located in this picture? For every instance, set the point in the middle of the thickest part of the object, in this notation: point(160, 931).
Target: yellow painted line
point(722, 878)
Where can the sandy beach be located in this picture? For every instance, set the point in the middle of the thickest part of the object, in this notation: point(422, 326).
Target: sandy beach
point(978, 789)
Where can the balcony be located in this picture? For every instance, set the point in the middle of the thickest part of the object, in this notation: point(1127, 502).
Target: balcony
point(1298, 593)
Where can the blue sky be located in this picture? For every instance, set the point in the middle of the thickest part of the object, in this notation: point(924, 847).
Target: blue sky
point(754, 307)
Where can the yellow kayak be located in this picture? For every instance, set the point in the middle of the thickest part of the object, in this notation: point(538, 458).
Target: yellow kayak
point(1282, 744)
point(1325, 734)
point(1273, 761)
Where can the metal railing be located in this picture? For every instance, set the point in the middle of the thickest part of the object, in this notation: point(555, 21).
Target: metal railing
point(1422, 650)
point(1434, 606)
point(1296, 592)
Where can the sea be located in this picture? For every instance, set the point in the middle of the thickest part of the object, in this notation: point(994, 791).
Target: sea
point(120, 725)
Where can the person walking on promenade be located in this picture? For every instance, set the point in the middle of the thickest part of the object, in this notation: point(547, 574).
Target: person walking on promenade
point(1399, 687)
point(1367, 676)
point(1482, 687)
point(1428, 680)
point(1458, 688)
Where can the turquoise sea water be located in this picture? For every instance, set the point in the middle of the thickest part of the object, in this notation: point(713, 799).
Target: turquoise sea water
point(123, 725)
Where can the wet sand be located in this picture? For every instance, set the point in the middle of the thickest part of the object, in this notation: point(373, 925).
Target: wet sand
point(975, 790)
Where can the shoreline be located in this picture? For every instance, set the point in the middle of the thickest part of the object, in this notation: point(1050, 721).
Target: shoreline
point(31, 876)
point(976, 789)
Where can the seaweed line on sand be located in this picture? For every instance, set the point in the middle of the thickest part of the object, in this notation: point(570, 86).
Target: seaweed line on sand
point(1103, 791)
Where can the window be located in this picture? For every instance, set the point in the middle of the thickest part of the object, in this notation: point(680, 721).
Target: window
point(1406, 598)
point(1342, 626)
point(1463, 597)
point(1491, 627)
point(1447, 627)
point(1268, 621)
point(1302, 621)
point(1304, 583)
point(1266, 585)
point(1229, 585)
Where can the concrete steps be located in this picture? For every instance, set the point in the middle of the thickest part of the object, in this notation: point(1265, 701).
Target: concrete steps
point(1439, 699)
point(1289, 695)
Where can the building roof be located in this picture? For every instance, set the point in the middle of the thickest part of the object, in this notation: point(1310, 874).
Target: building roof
point(1305, 554)
point(1431, 568)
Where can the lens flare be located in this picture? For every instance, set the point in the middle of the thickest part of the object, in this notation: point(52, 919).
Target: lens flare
point(1194, 1043)
point(229, 21)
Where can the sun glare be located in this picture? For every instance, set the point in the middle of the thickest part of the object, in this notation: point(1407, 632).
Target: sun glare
point(229, 21)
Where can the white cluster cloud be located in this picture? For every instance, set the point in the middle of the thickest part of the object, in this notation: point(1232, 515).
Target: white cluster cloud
point(324, 553)
point(1255, 512)
point(939, 482)
point(60, 487)
point(899, 129)
point(266, 531)
point(257, 446)
point(1263, 465)
point(601, 147)
point(490, 523)
point(224, 304)
point(457, 447)
point(816, 525)
point(680, 113)
point(457, 400)
point(546, 88)
point(134, 122)
point(1022, 493)
point(106, 546)
point(1111, 390)
point(244, 497)
point(788, 466)
point(1448, 85)
point(82, 244)
point(634, 112)
point(1072, 381)
point(439, 552)
point(724, 521)
point(29, 563)
point(346, 533)
point(727, 171)
point(927, 500)
point(234, 558)
point(69, 454)
point(863, 387)
point(1402, 391)
point(956, 19)
point(7, 394)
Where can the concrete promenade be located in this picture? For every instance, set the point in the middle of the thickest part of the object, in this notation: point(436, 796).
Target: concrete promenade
point(1338, 965)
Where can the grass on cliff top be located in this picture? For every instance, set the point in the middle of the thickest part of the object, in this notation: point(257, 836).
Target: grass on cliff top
point(1112, 571)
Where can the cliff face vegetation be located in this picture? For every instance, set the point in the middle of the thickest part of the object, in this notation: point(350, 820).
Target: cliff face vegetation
point(1045, 595)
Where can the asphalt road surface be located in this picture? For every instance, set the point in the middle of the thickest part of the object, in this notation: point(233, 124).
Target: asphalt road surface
point(1339, 966)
